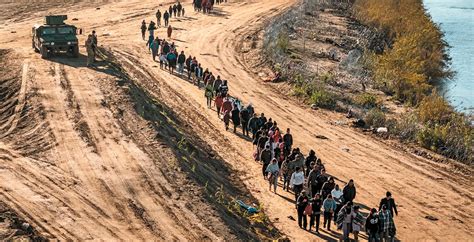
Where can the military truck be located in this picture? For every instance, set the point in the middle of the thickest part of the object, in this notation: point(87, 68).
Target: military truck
point(55, 36)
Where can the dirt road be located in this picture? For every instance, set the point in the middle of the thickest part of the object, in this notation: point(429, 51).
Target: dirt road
point(96, 182)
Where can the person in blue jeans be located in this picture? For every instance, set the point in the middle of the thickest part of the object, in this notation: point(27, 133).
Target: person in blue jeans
point(329, 206)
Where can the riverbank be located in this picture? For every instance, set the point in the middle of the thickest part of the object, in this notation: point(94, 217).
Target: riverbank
point(456, 20)
point(332, 60)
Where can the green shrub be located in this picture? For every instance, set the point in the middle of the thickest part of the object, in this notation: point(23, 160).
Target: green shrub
point(283, 41)
point(375, 118)
point(407, 127)
point(434, 109)
point(366, 100)
point(323, 99)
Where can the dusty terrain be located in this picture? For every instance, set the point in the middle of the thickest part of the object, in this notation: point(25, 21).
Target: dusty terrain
point(87, 154)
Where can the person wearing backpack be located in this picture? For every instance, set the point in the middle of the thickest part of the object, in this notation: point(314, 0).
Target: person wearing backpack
point(316, 203)
point(209, 93)
point(244, 120)
point(301, 203)
point(235, 117)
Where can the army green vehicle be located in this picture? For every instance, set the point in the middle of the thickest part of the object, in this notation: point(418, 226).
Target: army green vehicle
point(55, 36)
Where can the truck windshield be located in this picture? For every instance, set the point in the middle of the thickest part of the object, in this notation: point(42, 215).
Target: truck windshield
point(65, 30)
point(49, 31)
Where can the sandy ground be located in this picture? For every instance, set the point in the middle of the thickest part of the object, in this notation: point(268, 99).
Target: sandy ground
point(97, 183)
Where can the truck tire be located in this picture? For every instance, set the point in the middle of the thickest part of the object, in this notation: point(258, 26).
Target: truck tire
point(75, 51)
point(44, 52)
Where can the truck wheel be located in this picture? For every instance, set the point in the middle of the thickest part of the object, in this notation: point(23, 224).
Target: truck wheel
point(34, 47)
point(44, 52)
point(75, 51)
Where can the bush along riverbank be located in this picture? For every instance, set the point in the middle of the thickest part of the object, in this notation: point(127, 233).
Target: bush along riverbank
point(378, 60)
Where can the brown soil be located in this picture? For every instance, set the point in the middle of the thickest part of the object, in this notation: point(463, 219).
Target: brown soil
point(128, 151)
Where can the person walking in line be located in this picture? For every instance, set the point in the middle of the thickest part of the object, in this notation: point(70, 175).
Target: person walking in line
point(322, 178)
point(344, 221)
point(328, 187)
point(235, 117)
point(226, 119)
point(171, 57)
point(179, 7)
point(155, 47)
point(387, 226)
point(209, 93)
point(143, 28)
point(244, 120)
point(357, 222)
point(253, 125)
point(166, 18)
point(151, 28)
point(169, 31)
point(288, 140)
point(175, 10)
point(158, 18)
point(219, 101)
point(297, 181)
point(329, 206)
point(272, 171)
point(170, 10)
point(150, 42)
point(302, 201)
point(181, 61)
point(336, 194)
point(182, 12)
point(265, 158)
point(313, 180)
point(389, 202)
point(316, 214)
point(311, 158)
point(349, 191)
point(372, 225)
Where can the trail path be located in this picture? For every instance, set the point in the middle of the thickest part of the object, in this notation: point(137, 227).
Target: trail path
point(106, 171)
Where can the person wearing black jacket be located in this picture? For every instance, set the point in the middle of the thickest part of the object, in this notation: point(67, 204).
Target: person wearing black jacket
point(253, 126)
point(349, 192)
point(179, 7)
point(170, 11)
point(372, 224)
point(235, 115)
point(158, 18)
point(166, 18)
point(244, 121)
point(181, 61)
point(301, 204)
point(322, 178)
point(389, 202)
point(265, 157)
point(310, 158)
point(317, 203)
point(288, 141)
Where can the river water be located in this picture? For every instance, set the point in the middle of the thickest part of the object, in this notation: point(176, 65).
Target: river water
point(456, 18)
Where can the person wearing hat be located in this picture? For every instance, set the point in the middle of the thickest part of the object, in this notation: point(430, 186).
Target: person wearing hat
point(390, 203)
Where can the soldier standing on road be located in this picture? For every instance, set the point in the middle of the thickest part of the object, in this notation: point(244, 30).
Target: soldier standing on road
point(90, 50)
point(158, 18)
point(94, 46)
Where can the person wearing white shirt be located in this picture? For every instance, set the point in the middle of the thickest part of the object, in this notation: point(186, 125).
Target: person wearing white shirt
point(297, 181)
point(337, 195)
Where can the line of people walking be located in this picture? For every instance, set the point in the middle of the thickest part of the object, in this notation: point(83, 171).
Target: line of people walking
point(315, 192)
